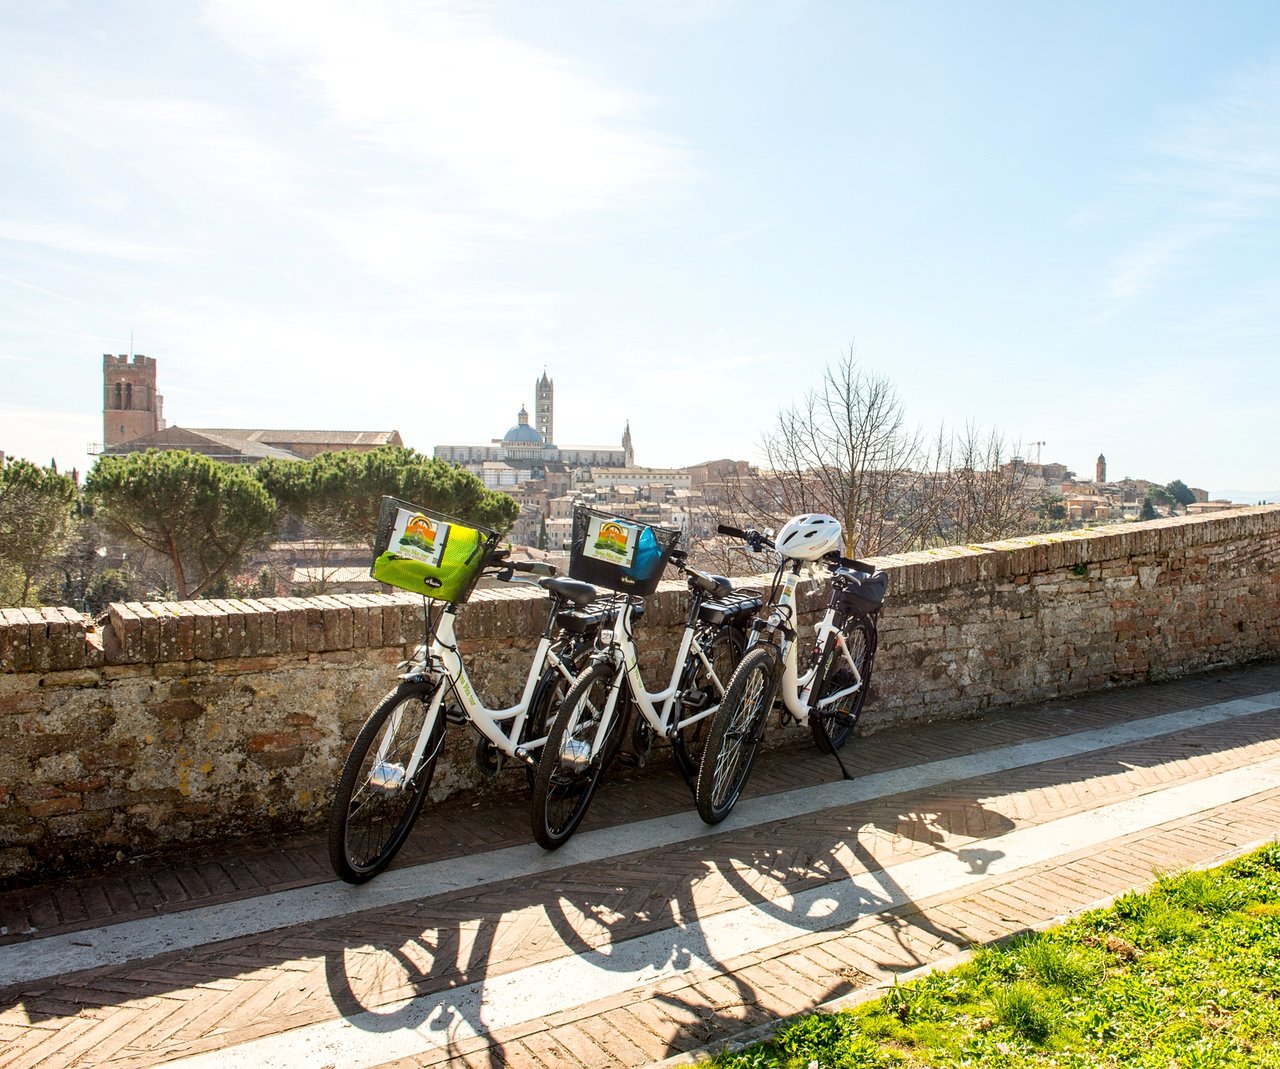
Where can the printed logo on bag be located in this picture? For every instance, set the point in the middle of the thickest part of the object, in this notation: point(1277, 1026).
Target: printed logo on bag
point(611, 541)
point(419, 537)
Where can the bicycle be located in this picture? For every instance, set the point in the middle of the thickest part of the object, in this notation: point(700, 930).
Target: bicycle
point(387, 774)
point(610, 694)
point(829, 694)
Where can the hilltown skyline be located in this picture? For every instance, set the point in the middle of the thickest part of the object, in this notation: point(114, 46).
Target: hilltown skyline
point(530, 441)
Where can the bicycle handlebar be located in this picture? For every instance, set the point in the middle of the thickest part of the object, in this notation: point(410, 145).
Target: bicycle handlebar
point(537, 567)
point(836, 560)
point(503, 569)
point(755, 539)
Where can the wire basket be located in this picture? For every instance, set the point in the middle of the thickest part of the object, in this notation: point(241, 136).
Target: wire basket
point(617, 553)
point(427, 552)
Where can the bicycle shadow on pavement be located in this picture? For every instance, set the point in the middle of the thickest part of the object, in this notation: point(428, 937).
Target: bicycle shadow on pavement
point(406, 977)
point(741, 894)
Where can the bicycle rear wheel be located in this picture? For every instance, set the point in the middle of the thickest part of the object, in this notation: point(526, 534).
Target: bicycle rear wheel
point(377, 801)
point(833, 725)
point(567, 775)
point(700, 690)
point(548, 696)
point(736, 731)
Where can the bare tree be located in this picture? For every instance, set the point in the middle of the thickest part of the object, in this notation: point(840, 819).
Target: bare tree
point(846, 450)
point(988, 492)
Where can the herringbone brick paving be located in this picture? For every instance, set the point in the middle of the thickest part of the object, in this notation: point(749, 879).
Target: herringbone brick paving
point(221, 995)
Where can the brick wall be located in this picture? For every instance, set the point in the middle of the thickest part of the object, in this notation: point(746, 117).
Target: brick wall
point(178, 722)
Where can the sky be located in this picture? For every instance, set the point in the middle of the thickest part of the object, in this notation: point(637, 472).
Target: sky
point(1056, 222)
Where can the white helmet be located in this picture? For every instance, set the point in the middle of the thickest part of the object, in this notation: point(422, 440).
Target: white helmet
point(809, 537)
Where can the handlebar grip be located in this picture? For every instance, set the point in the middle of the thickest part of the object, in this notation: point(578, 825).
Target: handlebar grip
point(538, 567)
point(732, 532)
point(838, 560)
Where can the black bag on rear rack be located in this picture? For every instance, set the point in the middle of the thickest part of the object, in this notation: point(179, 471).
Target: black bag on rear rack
point(859, 594)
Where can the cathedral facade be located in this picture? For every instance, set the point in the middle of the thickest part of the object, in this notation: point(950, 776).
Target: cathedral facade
point(532, 446)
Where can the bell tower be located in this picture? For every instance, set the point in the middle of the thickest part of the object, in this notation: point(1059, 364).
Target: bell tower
point(543, 407)
point(130, 405)
point(1101, 470)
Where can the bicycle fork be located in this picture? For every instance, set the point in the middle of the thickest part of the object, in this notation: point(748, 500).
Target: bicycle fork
point(390, 777)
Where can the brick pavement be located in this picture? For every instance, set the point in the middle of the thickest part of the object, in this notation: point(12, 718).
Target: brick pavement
point(659, 936)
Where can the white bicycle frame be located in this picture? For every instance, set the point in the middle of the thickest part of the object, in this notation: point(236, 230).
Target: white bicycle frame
point(621, 651)
point(795, 689)
point(441, 661)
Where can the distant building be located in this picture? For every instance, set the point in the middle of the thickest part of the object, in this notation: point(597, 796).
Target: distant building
point(131, 407)
point(1101, 470)
point(133, 421)
point(532, 449)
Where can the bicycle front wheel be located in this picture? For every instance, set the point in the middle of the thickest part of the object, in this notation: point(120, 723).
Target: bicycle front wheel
point(736, 731)
point(833, 725)
point(378, 796)
point(567, 774)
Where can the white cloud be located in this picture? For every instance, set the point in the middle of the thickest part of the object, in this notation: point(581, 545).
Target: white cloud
point(1144, 267)
point(84, 241)
point(1220, 163)
point(483, 122)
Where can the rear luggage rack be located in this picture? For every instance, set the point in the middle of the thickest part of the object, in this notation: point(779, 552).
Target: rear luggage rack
point(580, 621)
point(732, 606)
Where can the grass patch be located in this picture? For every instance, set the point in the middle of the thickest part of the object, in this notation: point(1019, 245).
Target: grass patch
point(1186, 975)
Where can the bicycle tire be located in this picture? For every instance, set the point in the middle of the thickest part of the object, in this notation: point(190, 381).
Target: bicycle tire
point(564, 784)
point(548, 696)
point(723, 651)
point(832, 727)
point(369, 821)
point(736, 731)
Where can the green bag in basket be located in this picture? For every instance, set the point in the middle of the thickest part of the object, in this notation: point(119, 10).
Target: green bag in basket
point(428, 553)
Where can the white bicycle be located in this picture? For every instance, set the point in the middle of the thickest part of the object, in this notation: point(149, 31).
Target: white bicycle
point(609, 700)
point(388, 772)
point(828, 694)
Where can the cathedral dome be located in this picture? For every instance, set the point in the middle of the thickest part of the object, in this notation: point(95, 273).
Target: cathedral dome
point(522, 433)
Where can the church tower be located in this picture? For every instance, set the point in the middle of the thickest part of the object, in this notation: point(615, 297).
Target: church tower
point(130, 405)
point(628, 453)
point(543, 407)
point(1102, 469)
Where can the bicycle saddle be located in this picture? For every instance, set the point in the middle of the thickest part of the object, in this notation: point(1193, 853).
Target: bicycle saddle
point(717, 586)
point(579, 593)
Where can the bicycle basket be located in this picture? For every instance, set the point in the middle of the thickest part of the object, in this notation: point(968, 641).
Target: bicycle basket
point(617, 553)
point(861, 595)
point(427, 552)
